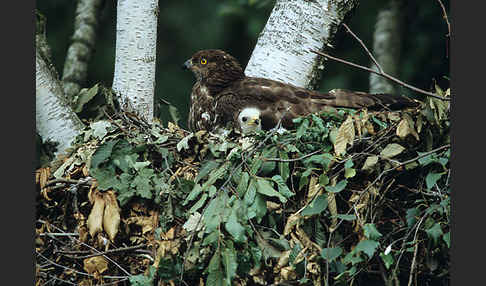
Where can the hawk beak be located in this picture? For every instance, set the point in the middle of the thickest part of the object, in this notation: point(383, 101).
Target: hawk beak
point(187, 64)
point(254, 121)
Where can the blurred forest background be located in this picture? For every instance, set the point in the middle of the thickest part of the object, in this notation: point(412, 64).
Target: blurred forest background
point(234, 25)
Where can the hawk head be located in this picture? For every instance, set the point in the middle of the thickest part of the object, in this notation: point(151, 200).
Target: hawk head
point(214, 68)
point(249, 120)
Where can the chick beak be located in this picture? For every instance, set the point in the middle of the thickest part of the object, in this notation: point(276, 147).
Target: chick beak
point(254, 121)
point(187, 64)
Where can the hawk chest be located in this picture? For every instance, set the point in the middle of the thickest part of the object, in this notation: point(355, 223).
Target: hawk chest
point(201, 113)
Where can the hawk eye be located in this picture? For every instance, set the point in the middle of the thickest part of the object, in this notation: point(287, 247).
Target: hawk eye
point(244, 118)
point(203, 61)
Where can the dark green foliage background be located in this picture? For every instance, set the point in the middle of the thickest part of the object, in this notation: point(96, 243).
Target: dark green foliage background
point(234, 25)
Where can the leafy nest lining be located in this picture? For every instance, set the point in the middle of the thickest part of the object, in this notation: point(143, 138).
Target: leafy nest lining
point(347, 196)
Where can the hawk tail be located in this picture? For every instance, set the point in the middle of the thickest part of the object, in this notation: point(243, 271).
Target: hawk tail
point(378, 101)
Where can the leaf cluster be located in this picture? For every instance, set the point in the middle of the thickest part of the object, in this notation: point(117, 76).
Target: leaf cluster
point(344, 192)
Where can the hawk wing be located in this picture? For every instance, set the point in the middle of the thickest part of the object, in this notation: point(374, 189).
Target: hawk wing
point(277, 101)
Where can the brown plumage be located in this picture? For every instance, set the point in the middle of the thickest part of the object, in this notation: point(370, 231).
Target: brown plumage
point(222, 90)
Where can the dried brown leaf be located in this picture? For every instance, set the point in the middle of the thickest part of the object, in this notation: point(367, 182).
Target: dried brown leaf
point(391, 150)
point(111, 216)
point(292, 221)
point(345, 136)
point(314, 189)
point(95, 218)
point(370, 162)
point(96, 264)
point(331, 205)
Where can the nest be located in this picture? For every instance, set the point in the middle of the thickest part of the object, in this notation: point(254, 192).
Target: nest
point(347, 196)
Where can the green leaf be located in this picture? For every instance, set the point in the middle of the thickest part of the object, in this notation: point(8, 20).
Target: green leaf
point(142, 185)
point(105, 177)
point(338, 187)
point(100, 128)
point(411, 216)
point(268, 166)
point(141, 279)
point(250, 193)
point(435, 232)
point(213, 214)
point(352, 258)
point(258, 209)
point(174, 114)
point(282, 187)
point(283, 167)
point(84, 96)
point(424, 161)
point(346, 217)
point(332, 253)
point(349, 172)
point(431, 179)
point(265, 187)
point(371, 232)
point(323, 180)
point(367, 246)
point(230, 264)
point(243, 184)
point(214, 176)
point(206, 169)
point(302, 128)
point(235, 228)
point(198, 204)
point(293, 254)
point(255, 165)
point(318, 205)
point(215, 271)
point(383, 125)
point(211, 238)
point(193, 194)
point(447, 238)
point(102, 153)
point(349, 164)
point(387, 259)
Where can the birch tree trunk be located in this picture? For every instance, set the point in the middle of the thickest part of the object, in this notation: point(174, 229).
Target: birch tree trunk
point(293, 29)
point(386, 46)
point(55, 120)
point(136, 37)
point(80, 51)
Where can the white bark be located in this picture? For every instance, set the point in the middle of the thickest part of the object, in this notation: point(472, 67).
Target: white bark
point(136, 38)
point(386, 46)
point(55, 120)
point(293, 29)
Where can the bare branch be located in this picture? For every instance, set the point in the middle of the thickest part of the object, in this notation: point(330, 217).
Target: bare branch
point(445, 18)
point(365, 48)
point(385, 75)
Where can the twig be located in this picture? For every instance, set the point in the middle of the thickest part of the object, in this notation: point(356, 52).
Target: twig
point(383, 74)
point(121, 249)
point(52, 234)
point(391, 169)
point(448, 27)
point(365, 48)
point(412, 267)
point(291, 160)
point(445, 18)
point(75, 271)
point(66, 181)
point(89, 246)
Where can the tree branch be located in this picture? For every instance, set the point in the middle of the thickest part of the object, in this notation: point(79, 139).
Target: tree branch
point(82, 45)
point(385, 75)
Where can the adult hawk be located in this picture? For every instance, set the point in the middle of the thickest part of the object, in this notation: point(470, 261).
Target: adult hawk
point(222, 91)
